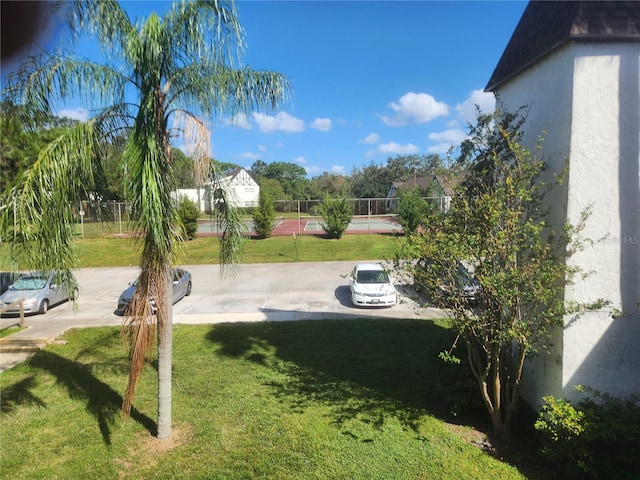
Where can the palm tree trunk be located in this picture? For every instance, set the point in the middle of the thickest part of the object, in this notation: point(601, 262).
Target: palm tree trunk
point(165, 353)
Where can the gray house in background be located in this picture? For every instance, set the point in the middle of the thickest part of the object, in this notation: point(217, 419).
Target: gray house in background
point(575, 66)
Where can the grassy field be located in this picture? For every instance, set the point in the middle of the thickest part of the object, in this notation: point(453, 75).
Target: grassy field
point(348, 399)
point(122, 252)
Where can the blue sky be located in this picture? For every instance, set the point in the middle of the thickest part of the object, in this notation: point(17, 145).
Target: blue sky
point(370, 79)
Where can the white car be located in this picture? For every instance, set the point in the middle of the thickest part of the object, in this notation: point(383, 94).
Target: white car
point(371, 285)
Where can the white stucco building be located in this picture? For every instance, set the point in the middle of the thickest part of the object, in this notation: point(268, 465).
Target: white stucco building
point(576, 67)
point(242, 190)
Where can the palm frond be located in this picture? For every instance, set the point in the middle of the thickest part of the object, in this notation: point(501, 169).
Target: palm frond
point(37, 216)
point(197, 141)
point(204, 30)
point(215, 89)
point(42, 81)
point(104, 19)
point(234, 230)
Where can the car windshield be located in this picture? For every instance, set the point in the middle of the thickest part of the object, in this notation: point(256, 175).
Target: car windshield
point(372, 276)
point(29, 283)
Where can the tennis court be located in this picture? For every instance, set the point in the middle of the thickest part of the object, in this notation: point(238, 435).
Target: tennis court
point(373, 224)
point(313, 226)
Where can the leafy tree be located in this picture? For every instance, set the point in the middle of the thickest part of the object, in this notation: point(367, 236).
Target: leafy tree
point(374, 181)
point(371, 181)
point(257, 170)
point(412, 210)
point(329, 183)
point(498, 225)
point(225, 168)
point(189, 213)
point(403, 167)
point(183, 168)
point(264, 216)
point(292, 177)
point(272, 188)
point(336, 215)
point(169, 69)
point(20, 144)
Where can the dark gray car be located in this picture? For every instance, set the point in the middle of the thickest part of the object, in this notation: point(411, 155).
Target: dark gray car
point(181, 289)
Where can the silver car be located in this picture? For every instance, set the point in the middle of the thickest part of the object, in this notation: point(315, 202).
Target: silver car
point(181, 289)
point(38, 290)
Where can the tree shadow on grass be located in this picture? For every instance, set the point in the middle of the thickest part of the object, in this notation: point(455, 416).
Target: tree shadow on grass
point(102, 401)
point(363, 368)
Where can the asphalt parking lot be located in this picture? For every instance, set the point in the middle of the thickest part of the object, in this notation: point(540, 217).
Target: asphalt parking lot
point(257, 292)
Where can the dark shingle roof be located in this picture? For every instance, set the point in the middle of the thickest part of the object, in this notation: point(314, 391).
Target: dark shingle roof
point(547, 25)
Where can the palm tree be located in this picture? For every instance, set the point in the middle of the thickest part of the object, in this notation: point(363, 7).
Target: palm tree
point(164, 76)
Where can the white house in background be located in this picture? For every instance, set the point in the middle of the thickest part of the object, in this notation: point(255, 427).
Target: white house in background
point(576, 67)
point(242, 189)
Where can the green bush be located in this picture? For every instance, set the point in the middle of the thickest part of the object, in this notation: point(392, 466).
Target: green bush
point(412, 210)
point(189, 212)
point(336, 215)
point(599, 437)
point(264, 216)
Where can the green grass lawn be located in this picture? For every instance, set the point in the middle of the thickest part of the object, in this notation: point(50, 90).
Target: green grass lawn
point(344, 399)
point(123, 252)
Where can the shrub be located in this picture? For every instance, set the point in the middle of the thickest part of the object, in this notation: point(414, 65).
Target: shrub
point(264, 216)
point(336, 215)
point(189, 212)
point(599, 437)
point(412, 211)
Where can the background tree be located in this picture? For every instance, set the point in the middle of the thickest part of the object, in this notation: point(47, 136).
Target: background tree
point(257, 170)
point(412, 210)
point(224, 168)
point(498, 227)
point(167, 72)
point(184, 169)
point(329, 183)
point(292, 177)
point(371, 181)
point(189, 213)
point(22, 142)
point(336, 215)
point(264, 216)
point(272, 188)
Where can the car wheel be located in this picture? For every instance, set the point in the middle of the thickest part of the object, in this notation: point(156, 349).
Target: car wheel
point(188, 290)
point(44, 306)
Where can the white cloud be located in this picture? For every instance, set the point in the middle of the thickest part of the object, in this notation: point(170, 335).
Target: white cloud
point(314, 170)
point(281, 122)
point(415, 108)
point(467, 109)
point(322, 124)
point(300, 160)
point(440, 148)
point(249, 156)
point(371, 138)
point(262, 148)
point(453, 135)
point(337, 169)
point(241, 121)
point(397, 149)
point(81, 114)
